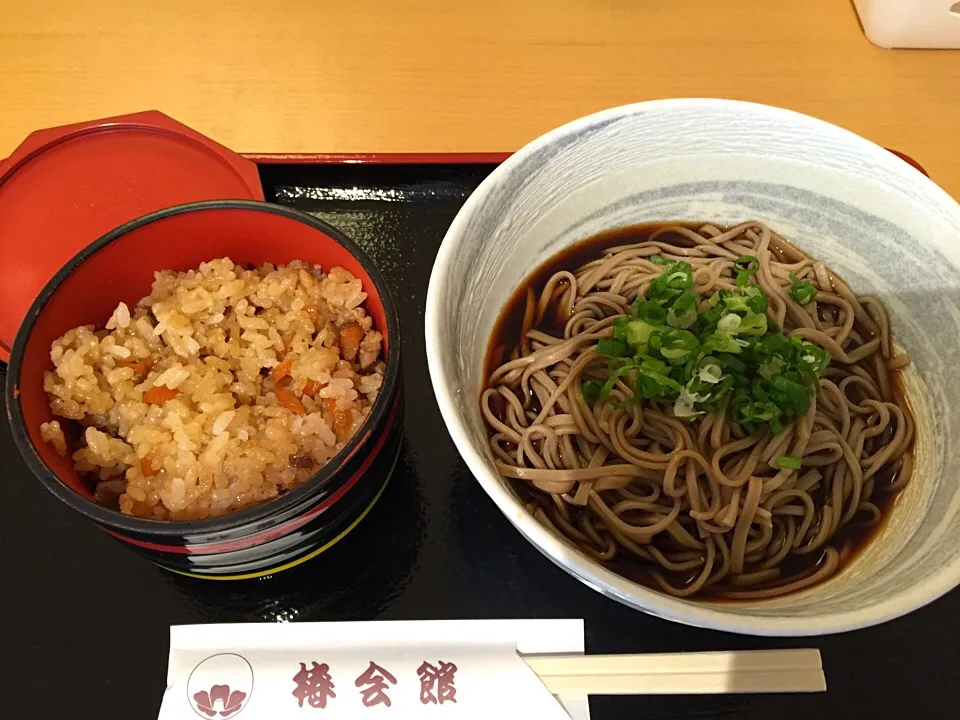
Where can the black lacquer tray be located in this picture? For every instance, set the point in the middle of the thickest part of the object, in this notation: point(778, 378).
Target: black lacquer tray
point(85, 621)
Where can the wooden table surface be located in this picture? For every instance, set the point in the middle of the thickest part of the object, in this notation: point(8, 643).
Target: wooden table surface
point(457, 76)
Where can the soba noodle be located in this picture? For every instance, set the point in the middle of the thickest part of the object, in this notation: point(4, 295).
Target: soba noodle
point(698, 505)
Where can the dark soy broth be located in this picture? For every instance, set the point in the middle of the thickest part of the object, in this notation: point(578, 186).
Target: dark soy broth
point(506, 338)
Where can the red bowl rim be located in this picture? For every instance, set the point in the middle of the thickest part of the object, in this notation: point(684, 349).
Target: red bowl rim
point(253, 518)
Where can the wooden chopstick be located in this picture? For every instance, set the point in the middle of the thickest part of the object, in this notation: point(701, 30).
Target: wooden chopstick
point(753, 671)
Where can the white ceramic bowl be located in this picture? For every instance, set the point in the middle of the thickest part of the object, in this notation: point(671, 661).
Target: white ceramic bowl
point(880, 223)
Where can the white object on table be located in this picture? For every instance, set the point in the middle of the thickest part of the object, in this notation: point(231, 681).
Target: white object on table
point(911, 23)
point(403, 670)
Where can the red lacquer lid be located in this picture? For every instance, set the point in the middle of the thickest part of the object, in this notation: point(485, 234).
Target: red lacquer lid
point(65, 187)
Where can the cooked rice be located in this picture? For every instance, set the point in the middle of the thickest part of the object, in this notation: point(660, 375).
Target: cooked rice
point(225, 387)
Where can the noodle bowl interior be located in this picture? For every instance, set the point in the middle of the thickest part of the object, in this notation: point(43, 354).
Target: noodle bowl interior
point(708, 411)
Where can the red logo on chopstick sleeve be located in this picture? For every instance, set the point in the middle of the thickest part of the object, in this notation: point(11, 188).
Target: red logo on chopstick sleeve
point(220, 686)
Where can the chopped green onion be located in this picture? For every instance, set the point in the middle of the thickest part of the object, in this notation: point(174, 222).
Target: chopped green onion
point(731, 364)
point(721, 342)
point(684, 407)
point(801, 290)
point(745, 265)
point(792, 395)
point(683, 313)
point(659, 260)
point(707, 321)
point(677, 277)
point(734, 304)
point(769, 369)
point(730, 357)
point(747, 299)
point(681, 321)
point(620, 327)
point(753, 324)
point(639, 332)
point(607, 387)
point(591, 391)
point(773, 344)
point(657, 382)
point(611, 348)
point(814, 356)
point(649, 312)
point(759, 411)
point(758, 303)
point(685, 303)
point(710, 373)
point(729, 323)
point(678, 344)
point(790, 462)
